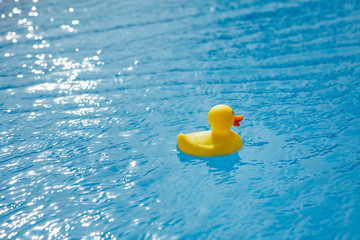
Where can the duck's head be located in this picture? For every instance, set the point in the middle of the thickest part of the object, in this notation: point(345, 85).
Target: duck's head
point(222, 118)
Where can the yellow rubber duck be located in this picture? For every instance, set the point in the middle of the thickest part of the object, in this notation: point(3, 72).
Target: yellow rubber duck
point(216, 142)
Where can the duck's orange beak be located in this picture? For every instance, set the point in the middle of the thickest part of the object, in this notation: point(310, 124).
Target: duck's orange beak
point(238, 119)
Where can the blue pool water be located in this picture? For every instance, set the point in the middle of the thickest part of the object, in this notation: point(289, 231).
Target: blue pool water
point(93, 94)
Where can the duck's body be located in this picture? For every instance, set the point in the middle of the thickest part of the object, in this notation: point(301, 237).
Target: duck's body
point(216, 142)
point(207, 144)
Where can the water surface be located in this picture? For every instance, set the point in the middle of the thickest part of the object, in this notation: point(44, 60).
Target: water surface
point(93, 94)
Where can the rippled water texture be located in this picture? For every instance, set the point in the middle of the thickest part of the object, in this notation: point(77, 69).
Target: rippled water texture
point(93, 94)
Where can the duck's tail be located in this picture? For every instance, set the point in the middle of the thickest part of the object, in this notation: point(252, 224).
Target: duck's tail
point(183, 143)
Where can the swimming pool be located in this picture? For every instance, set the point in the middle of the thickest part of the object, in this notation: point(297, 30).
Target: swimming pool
point(93, 94)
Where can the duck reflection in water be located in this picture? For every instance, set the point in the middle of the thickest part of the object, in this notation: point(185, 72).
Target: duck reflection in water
point(220, 166)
